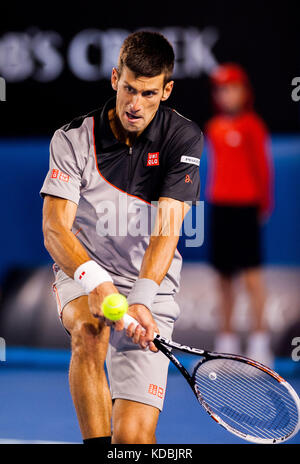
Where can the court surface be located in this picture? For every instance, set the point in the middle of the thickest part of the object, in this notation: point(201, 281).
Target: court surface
point(36, 405)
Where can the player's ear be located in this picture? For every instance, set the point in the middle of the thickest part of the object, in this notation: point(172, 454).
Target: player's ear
point(167, 90)
point(114, 79)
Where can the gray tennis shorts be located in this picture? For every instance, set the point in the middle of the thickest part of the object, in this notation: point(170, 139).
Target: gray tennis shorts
point(134, 374)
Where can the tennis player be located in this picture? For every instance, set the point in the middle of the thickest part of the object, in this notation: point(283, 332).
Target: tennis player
point(111, 171)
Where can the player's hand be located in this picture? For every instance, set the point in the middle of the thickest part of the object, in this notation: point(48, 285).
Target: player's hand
point(144, 333)
point(96, 298)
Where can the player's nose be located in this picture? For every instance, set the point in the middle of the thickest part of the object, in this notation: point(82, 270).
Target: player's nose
point(135, 105)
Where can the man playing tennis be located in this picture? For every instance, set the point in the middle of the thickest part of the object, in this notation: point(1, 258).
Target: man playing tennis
point(106, 170)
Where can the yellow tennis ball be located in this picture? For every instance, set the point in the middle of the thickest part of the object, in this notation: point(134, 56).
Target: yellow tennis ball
point(114, 306)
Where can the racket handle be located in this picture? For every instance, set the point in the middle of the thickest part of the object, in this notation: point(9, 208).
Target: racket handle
point(130, 320)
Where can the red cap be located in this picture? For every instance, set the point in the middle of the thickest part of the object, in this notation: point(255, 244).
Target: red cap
point(231, 72)
point(227, 73)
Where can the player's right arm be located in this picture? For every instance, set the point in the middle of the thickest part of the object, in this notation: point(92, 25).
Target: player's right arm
point(61, 192)
point(59, 240)
point(66, 249)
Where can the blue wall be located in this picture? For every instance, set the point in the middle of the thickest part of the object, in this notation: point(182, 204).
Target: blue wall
point(281, 234)
point(24, 164)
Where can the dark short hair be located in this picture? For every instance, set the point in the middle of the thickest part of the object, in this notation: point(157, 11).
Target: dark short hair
point(147, 54)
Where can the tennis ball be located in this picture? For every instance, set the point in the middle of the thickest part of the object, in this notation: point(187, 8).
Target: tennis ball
point(114, 306)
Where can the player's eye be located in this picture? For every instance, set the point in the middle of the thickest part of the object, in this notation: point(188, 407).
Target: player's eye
point(129, 89)
point(149, 93)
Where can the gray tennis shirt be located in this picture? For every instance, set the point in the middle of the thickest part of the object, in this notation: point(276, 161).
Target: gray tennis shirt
point(116, 187)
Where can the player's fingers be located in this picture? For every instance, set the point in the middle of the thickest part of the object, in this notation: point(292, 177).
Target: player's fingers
point(130, 330)
point(96, 311)
point(144, 341)
point(149, 335)
point(137, 334)
point(119, 325)
point(98, 315)
point(152, 347)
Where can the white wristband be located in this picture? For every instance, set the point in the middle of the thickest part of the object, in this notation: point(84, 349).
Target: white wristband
point(89, 275)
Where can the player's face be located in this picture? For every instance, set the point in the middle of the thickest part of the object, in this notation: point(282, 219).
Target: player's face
point(138, 98)
point(231, 98)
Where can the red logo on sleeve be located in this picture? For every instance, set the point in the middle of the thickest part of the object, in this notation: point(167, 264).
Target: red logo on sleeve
point(57, 174)
point(153, 159)
point(54, 174)
point(64, 177)
point(156, 391)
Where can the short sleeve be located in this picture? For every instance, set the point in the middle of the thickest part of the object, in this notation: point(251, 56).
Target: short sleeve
point(182, 178)
point(64, 176)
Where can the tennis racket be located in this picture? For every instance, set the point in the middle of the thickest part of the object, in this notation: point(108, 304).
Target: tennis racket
point(247, 398)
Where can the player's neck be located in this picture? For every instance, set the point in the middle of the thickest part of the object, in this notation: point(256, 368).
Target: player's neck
point(118, 130)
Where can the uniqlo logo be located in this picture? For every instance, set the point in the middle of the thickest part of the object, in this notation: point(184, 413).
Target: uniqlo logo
point(160, 392)
point(64, 177)
point(153, 159)
point(156, 391)
point(57, 174)
point(152, 389)
point(54, 174)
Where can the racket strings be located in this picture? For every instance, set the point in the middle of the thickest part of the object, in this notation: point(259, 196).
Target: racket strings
point(253, 416)
point(256, 418)
point(238, 381)
point(219, 397)
point(246, 398)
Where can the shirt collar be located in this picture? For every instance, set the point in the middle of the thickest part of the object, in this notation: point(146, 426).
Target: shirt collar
point(106, 135)
point(152, 130)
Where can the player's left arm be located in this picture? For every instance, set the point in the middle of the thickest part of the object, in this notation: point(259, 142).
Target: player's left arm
point(156, 262)
point(164, 238)
point(180, 189)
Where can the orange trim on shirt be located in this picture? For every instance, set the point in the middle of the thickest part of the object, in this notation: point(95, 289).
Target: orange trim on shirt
point(134, 196)
point(78, 231)
point(129, 194)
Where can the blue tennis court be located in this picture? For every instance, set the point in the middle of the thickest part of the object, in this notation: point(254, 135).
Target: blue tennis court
point(36, 404)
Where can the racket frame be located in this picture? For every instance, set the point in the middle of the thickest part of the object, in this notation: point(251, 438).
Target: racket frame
point(165, 346)
point(162, 343)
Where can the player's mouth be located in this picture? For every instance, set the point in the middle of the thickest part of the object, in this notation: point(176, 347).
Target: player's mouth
point(132, 118)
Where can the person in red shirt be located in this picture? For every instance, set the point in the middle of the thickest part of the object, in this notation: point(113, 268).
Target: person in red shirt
point(239, 190)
